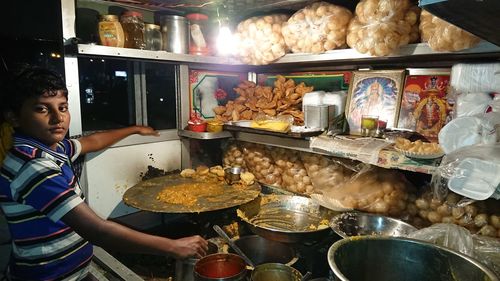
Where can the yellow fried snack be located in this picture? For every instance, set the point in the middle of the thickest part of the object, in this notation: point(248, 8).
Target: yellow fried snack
point(247, 178)
point(418, 146)
point(188, 173)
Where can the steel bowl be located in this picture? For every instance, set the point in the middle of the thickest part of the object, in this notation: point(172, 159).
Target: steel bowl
point(275, 272)
point(286, 218)
point(261, 250)
point(358, 224)
point(375, 258)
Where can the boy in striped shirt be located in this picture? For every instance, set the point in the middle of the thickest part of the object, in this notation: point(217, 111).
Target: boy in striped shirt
point(51, 226)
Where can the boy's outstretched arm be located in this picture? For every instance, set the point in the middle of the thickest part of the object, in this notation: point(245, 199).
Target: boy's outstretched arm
point(111, 235)
point(102, 140)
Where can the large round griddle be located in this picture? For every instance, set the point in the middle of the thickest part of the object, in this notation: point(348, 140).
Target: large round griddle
point(143, 196)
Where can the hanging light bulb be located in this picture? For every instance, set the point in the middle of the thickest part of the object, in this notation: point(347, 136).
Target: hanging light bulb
point(225, 41)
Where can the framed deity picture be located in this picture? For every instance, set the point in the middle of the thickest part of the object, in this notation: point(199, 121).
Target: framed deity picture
point(375, 94)
point(424, 105)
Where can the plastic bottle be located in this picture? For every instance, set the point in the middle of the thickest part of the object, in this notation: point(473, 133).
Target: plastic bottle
point(111, 31)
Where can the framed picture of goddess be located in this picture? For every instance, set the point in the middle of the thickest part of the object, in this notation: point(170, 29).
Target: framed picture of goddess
point(374, 93)
point(425, 106)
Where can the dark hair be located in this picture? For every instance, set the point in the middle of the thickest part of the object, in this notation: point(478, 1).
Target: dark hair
point(29, 82)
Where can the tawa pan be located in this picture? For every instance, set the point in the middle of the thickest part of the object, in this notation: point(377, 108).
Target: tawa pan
point(143, 196)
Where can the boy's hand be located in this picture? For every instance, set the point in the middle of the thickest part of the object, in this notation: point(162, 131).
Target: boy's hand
point(193, 246)
point(147, 131)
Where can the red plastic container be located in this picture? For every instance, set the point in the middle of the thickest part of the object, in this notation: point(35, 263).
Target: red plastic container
point(201, 127)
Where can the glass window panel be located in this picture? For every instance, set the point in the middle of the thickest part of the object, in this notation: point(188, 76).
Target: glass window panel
point(107, 96)
point(160, 95)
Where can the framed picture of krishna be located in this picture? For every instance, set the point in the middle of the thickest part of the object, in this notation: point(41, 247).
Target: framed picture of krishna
point(424, 106)
point(374, 93)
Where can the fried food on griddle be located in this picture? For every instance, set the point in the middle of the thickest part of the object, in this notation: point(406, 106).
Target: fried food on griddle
point(188, 173)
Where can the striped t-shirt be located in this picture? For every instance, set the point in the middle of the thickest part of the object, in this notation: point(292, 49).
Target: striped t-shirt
point(37, 188)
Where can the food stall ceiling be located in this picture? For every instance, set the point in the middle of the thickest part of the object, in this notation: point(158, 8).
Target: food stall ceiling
point(235, 10)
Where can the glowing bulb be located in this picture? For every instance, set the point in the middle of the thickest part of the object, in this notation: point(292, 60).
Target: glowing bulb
point(225, 41)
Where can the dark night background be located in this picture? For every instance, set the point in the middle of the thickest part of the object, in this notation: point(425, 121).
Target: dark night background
point(31, 31)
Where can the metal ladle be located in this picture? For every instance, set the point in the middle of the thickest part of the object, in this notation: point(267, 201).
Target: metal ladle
point(306, 276)
point(228, 240)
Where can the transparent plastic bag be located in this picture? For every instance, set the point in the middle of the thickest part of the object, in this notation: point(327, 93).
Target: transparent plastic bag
point(382, 26)
point(326, 173)
point(444, 36)
point(374, 190)
point(294, 175)
point(317, 28)
point(455, 237)
point(471, 171)
point(259, 162)
point(233, 156)
point(259, 39)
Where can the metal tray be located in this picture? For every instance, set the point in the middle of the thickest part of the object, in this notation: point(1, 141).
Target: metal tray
point(143, 196)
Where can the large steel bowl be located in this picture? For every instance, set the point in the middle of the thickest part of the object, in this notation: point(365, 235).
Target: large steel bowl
point(261, 250)
point(373, 258)
point(358, 224)
point(286, 218)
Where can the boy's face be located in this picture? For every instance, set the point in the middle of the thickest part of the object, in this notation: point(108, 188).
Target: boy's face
point(45, 118)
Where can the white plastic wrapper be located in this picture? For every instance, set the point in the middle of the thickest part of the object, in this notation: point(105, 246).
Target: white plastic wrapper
point(469, 130)
point(470, 104)
point(443, 36)
point(317, 28)
point(382, 26)
point(259, 39)
point(475, 78)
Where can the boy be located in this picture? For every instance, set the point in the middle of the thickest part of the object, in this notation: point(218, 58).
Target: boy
point(51, 227)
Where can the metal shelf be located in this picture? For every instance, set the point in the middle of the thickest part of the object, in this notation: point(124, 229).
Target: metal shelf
point(387, 158)
point(98, 50)
point(411, 51)
point(204, 135)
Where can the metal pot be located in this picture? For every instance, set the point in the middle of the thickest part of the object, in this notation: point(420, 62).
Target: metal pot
point(184, 268)
point(389, 259)
point(260, 250)
point(175, 33)
point(220, 267)
point(286, 218)
point(275, 272)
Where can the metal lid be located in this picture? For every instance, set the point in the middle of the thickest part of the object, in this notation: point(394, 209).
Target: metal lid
point(109, 17)
point(152, 26)
point(196, 16)
point(132, 14)
point(173, 17)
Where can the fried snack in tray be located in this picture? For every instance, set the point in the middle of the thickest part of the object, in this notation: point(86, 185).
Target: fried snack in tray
point(254, 100)
point(418, 147)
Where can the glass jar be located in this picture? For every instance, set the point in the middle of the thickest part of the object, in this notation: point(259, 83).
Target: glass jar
point(133, 28)
point(153, 37)
point(111, 31)
point(199, 41)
